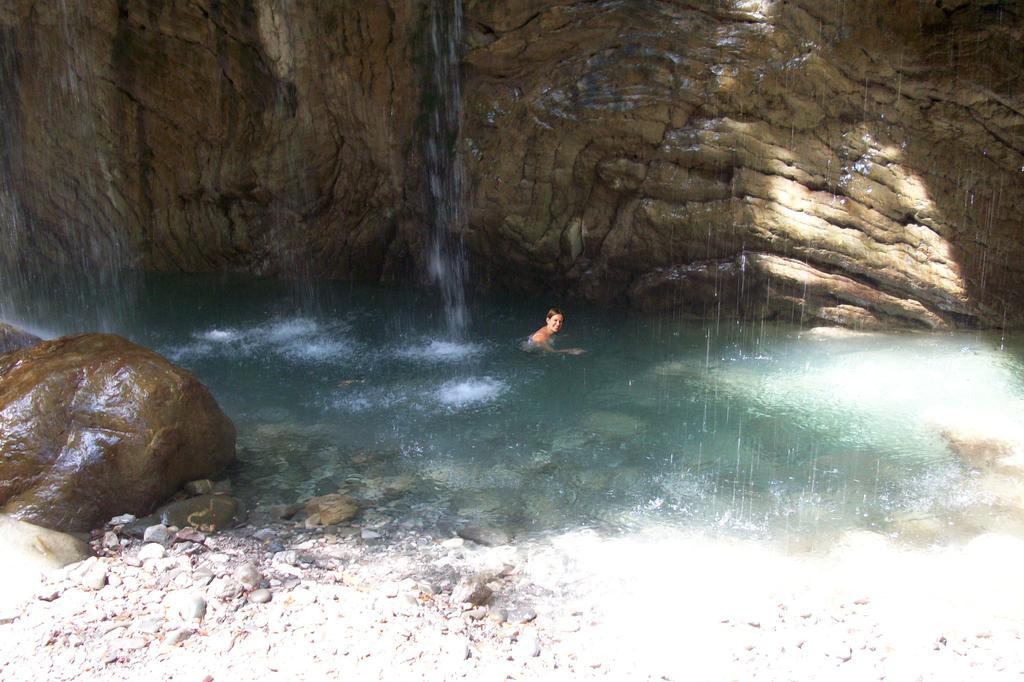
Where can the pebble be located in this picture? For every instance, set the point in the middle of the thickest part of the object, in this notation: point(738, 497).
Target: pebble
point(453, 543)
point(261, 596)
point(264, 535)
point(368, 534)
point(93, 578)
point(157, 533)
point(152, 550)
point(177, 636)
point(522, 615)
point(471, 591)
point(121, 520)
point(190, 535)
point(248, 575)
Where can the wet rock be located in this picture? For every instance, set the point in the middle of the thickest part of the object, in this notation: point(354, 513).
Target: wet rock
point(367, 534)
point(198, 487)
point(484, 535)
point(12, 339)
point(332, 508)
point(204, 513)
point(96, 400)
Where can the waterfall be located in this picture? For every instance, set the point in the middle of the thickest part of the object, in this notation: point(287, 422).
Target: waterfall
point(447, 256)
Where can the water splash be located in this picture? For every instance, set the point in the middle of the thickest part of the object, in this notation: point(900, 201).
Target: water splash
point(447, 256)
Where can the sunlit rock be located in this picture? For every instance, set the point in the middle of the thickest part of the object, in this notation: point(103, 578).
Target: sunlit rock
point(92, 426)
point(31, 550)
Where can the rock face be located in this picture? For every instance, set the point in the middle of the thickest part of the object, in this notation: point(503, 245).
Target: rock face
point(797, 160)
point(781, 159)
point(93, 425)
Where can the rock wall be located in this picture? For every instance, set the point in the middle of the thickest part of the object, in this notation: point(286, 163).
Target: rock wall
point(261, 136)
point(861, 163)
point(858, 163)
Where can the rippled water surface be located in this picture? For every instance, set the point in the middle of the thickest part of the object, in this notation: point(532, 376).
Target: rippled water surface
point(749, 428)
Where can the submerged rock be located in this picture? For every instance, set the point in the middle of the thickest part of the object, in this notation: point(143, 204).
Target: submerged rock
point(94, 425)
point(330, 509)
point(204, 512)
point(484, 535)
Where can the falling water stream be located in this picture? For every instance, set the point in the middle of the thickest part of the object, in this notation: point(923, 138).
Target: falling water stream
point(447, 257)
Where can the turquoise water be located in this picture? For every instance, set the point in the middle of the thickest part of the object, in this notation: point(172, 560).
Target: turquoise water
point(742, 428)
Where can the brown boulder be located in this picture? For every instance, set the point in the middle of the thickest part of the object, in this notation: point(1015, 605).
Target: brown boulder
point(93, 425)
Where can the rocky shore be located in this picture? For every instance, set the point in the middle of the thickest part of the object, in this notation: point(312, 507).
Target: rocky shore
point(277, 600)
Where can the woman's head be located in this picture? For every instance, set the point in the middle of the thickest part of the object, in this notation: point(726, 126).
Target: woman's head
point(555, 319)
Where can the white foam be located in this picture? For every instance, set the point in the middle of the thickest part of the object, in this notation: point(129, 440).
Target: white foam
point(440, 351)
point(220, 335)
point(470, 391)
point(296, 339)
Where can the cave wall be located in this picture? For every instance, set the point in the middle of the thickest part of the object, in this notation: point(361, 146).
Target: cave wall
point(855, 163)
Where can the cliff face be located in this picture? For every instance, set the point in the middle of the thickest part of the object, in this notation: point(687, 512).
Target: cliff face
point(856, 163)
point(264, 136)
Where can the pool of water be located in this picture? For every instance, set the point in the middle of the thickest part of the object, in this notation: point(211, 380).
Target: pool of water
point(755, 429)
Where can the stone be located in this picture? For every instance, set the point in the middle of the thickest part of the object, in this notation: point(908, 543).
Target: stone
point(248, 575)
point(522, 615)
point(157, 533)
point(204, 513)
point(199, 487)
point(177, 636)
point(29, 553)
point(483, 535)
point(186, 605)
point(471, 591)
point(153, 550)
point(121, 519)
point(367, 534)
point(134, 426)
point(332, 509)
point(93, 577)
point(189, 535)
point(261, 596)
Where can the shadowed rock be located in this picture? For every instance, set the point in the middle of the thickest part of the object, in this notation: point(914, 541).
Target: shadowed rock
point(12, 338)
point(92, 426)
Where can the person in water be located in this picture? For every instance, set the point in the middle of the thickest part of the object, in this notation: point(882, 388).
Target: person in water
point(541, 338)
